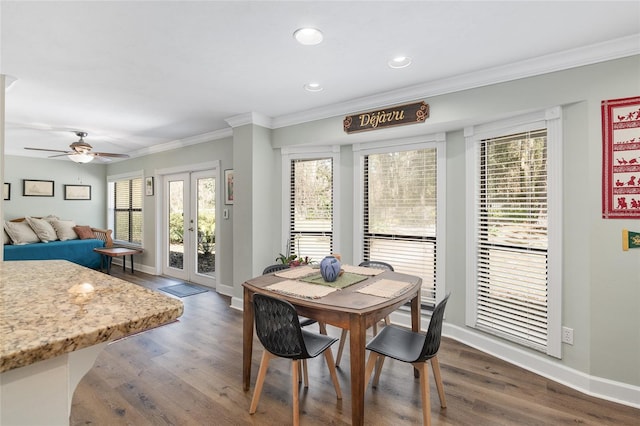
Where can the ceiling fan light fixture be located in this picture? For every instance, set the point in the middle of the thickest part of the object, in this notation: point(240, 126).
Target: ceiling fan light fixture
point(80, 151)
point(308, 36)
point(80, 158)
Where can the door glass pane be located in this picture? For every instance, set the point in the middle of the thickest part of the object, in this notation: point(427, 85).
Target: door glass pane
point(206, 214)
point(176, 224)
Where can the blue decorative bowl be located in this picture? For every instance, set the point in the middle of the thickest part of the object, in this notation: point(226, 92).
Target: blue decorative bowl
point(330, 268)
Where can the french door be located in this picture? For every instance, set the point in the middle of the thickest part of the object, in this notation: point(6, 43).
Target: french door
point(189, 251)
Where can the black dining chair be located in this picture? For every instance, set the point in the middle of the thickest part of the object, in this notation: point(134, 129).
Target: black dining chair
point(414, 348)
point(304, 321)
point(343, 337)
point(280, 333)
point(274, 268)
point(279, 267)
point(376, 264)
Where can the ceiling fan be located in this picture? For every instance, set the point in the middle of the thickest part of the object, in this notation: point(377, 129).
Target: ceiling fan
point(81, 152)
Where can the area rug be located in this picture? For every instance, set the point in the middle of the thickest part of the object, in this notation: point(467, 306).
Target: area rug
point(183, 290)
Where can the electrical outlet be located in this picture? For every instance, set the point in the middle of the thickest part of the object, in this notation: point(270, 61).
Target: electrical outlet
point(567, 335)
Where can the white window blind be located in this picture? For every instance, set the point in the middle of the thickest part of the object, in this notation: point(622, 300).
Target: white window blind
point(127, 209)
point(512, 240)
point(311, 208)
point(400, 205)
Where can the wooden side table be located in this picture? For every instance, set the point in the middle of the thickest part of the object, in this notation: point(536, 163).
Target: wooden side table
point(110, 253)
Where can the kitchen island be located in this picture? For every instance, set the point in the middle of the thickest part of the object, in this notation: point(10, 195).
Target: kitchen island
point(55, 318)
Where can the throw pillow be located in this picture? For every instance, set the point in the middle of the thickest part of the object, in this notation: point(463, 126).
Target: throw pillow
point(5, 237)
point(42, 228)
point(84, 232)
point(20, 233)
point(64, 229)
point(50, 218)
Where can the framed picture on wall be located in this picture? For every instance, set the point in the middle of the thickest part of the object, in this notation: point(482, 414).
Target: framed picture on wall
point(77, 192)
point(37, 188)
point(228, 186)
point(621, 158)
point(148, 185)
point(6, 191)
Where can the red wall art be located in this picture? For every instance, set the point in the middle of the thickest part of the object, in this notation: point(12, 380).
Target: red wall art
point(621, 158)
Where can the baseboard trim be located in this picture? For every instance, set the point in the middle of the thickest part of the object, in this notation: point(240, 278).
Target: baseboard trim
point(598, 387)
point(117, 262)
point(225, 290)
point(237, 303)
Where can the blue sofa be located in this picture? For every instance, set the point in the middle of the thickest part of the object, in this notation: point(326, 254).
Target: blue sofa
point(76, 251)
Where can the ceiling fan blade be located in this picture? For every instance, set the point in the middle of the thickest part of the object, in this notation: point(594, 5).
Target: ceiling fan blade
point(49, 150)
point(103, 160)
point(81, 147)
point(107, 154)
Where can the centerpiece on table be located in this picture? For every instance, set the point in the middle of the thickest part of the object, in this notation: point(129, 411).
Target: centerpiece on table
point(293, 260)
point(331, 274)
point(330, 268)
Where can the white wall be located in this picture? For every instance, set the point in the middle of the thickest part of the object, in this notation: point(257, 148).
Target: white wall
point(601, 285)
point(222, 150)
point(62, 172)
point(601, 288)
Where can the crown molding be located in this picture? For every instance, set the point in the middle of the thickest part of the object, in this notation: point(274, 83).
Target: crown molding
point(181, 143)
point(601, 52)
point(588, 55)
point(250, 118)
point(8, 81)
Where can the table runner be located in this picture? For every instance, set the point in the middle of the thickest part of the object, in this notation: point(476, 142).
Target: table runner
point(296, 272)
point(344, 280)
point(362, 270)
point(301, 289)
point(385, 288)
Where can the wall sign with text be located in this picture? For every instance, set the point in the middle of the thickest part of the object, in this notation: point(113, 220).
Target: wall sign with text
point(388, 117)
point(621, 158)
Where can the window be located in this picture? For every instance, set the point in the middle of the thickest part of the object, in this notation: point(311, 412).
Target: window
point(310, 203)
point(125, 209)
point(511, 277)
point(401, 213)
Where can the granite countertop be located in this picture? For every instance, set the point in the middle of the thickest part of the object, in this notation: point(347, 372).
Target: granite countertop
point(52, 307)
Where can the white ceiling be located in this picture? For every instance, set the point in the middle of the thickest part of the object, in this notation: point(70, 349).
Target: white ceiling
point(142, 75)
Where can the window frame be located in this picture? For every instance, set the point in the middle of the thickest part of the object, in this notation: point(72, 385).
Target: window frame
point(360, 150)
point(111, 180)
point(551, 119)
point(309, 153)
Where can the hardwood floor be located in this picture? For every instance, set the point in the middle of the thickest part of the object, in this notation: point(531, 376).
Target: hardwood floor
point(190, 373)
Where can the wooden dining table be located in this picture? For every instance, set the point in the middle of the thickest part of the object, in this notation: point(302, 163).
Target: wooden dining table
point(348, 308)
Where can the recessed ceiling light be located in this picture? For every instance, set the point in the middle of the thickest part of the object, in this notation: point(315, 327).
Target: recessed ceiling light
point(308, 36)
point(400, 62)
point(313, 87)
